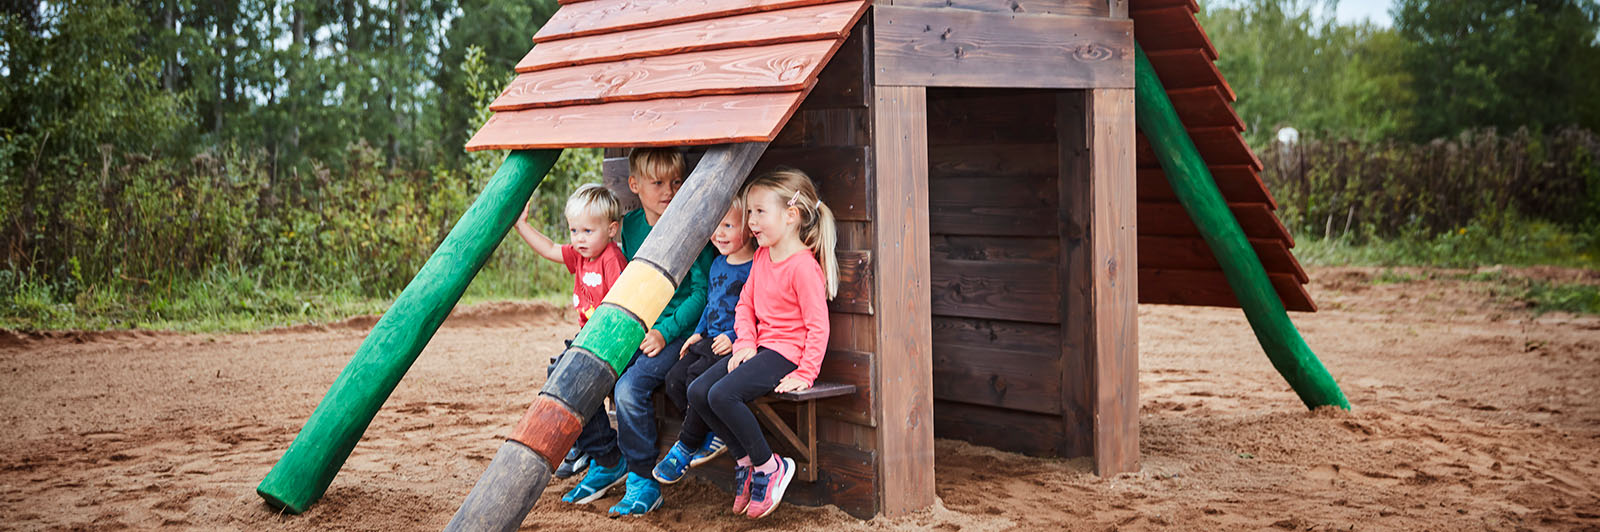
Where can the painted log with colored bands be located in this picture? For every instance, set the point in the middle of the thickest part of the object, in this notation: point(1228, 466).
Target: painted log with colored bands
point(650, 291)
point(323, 444)
point(1197, 191)
point(584, 381)
point(505, 493)
point(548, 428)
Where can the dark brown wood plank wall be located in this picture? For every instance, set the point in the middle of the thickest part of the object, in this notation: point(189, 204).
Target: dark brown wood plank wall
point(996, 270)
point(917, 46)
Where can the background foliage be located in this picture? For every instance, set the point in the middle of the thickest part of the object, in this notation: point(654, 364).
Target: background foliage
point(203, 164)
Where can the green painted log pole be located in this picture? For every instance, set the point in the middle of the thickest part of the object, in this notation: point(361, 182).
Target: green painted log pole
point(1197, 191)
point(317, 453)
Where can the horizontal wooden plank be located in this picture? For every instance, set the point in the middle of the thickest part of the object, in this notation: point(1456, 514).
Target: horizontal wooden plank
point(1088, 8)
point(675, 122)
point(827, 21)
point(991, 377)
point(840, 174)
point(1192, 253)
point(1171, 28)
point(1238, 182)
point(1187, 68)
point(774, 68)
point(852, 332)
point(997, 206)
point(993, 160)
point(1008, 430)
point(1142, 5)
point(611, 16)
point(1210, 288)
point(1217, 146)
point(965, 116)
point(996, 290)
point(825, 127)
point(1170, 219)
point(991, 221)
point(1200, 107)
point(1044, 339)
point(853, 368)
point(995, 248)
point(845, 82)
point(959, 48)
point(855, 282)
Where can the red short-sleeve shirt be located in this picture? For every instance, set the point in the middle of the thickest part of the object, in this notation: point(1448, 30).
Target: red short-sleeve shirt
point(592, 277)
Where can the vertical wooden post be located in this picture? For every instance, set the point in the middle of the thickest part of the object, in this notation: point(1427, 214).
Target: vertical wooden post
point(904, 378)
point(1114, 264)
point(1099, 266)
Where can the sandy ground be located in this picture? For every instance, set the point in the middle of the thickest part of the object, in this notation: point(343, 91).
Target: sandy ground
point(1469, 414)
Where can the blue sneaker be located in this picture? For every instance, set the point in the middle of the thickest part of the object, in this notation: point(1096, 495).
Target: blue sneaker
point(597, 482)
point(644, 496)
point(714, 447)
point(672, 466)
point(574, 463)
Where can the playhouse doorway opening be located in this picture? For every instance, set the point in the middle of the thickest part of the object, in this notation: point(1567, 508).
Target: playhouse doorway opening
point(1004, 372)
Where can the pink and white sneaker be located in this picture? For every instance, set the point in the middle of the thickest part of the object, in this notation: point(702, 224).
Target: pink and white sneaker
point(766, 490)
point(741, 488)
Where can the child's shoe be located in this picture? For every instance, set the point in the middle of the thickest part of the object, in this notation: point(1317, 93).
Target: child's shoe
point(595, 484)
point(713, 448)
point(574, 463)
point(644, 496)
point(741, 488)
point(766, 490)
point(672, 466)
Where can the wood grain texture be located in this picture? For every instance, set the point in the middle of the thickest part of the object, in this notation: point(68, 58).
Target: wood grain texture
point(609, 16)
point(1238, 183)
point(688, 121)
point(993, 160)
point(1217, 145)
point(996, 290)
point(1140, 5)
point(1015, 380)
point(828, 21)
point(507, 491)
point(853, 368)
point(959, 48)
point(1169, 219)
point(840, 174)
point(995, 248)
point(1115, 263)
point(1015, 431)
point(845, 82)
point(904, 378)
point(1087, 8)
point(992, 206)
point(1204, 107)
point(964, 117)
point(774, 68)
point(1171, 28)
point(1186, 68)
point(1076, 188)
point(1209, 288)
point(1192, 253)
point(855, 282)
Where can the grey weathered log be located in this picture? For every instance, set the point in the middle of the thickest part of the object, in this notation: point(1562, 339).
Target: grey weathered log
point(505, 493)
point(688, 222)
point(581, 381)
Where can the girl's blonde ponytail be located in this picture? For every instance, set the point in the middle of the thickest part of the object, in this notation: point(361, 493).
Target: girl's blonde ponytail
point(822, 240)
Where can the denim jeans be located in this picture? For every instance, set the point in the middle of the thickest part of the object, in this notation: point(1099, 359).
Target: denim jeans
point(636, 411)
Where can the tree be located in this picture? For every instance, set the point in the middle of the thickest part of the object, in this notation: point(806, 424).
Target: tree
point(1501, 63)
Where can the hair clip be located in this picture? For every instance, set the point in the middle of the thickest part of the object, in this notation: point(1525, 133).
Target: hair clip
point(794, 198)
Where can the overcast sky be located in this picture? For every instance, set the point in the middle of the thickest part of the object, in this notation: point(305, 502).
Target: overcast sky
point(1377, 11)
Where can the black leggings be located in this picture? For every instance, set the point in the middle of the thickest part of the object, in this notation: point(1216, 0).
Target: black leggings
point(718, 404)
point(692, 365)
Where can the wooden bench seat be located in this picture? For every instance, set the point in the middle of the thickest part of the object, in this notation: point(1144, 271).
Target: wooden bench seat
point(802, 437)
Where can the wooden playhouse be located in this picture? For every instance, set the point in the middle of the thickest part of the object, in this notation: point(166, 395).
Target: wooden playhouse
point(1000, 216)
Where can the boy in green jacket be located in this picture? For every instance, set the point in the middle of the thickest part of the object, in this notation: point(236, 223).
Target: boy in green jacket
point(627, 454)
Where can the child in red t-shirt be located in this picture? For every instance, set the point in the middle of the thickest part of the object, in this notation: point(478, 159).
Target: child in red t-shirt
point(593, 220)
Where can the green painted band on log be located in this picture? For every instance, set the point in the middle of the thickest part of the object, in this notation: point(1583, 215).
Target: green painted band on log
point(613, 334)
point(1197, 191)
point(317, 453)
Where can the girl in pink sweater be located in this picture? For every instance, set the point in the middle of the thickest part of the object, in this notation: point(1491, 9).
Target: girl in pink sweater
point(782, 327)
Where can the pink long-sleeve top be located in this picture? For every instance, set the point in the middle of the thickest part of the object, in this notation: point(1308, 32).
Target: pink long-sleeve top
point(784, 307)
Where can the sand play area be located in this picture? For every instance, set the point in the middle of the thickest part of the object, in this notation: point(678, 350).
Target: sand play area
point(1471, 413)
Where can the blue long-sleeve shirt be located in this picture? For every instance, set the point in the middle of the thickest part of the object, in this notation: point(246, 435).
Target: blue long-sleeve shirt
point(722, 298)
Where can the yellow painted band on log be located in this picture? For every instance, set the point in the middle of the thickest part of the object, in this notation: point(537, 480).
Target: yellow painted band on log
point(642, 290)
